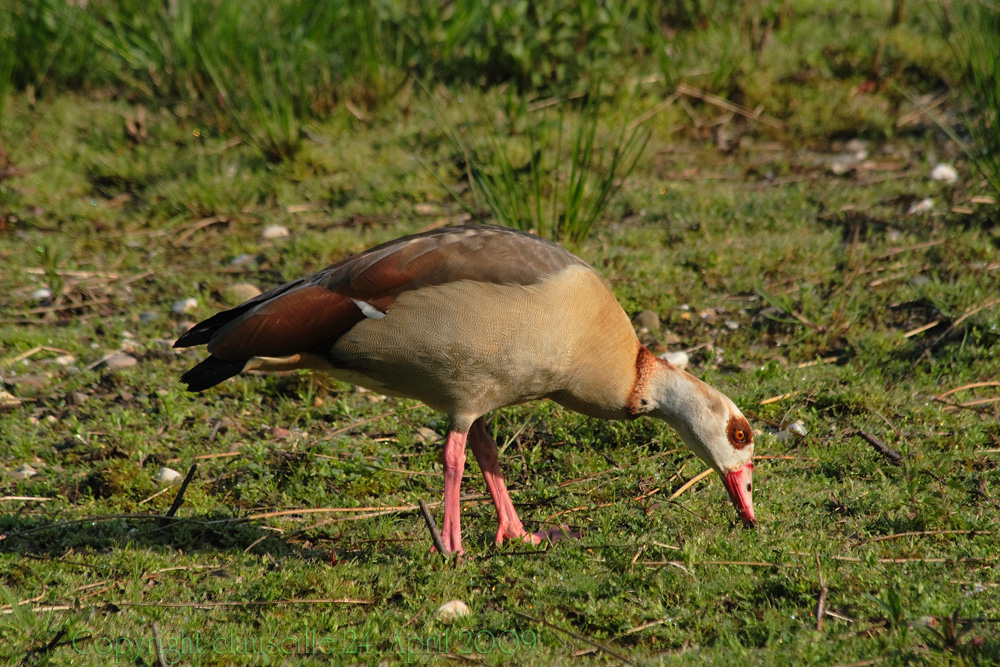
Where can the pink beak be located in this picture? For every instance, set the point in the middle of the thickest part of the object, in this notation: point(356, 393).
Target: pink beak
point(740, 488)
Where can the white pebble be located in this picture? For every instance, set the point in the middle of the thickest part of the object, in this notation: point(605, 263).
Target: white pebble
point(797, 428)
point(858, 148)
point(925, 205)
point(167, 476)
point(24, 472)
point(842, 164)
point(452, 610)
point(182, 306)
point(8, 401)
point(732, 324)
point(65, 360)
point(272, 232)
point(41, 294)
point(944, 173)
point(678, 359)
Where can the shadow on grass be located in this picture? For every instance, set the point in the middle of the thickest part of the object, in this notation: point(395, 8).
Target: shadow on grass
point(209, 533)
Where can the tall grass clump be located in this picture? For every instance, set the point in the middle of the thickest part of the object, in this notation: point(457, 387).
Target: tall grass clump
point(552, 173)
point(976, 40)
point(46, 43)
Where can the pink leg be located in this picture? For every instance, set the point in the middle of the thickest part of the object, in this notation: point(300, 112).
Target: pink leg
point(485, 449)
point(454, 465)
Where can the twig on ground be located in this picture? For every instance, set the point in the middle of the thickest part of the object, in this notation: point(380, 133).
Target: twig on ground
point(334, 510)
point(823, 591)
point(651, 624)
point(825, 360)
point(256, 542)
point(685, 89)
point(182, 238)
point(747, 563)
point(775, 399)
point(691, 482)
point(160, 657)
point(890, 454)
point(31, 352)
point(602, 647)
point(972, 385)
point(244, 603)
point(655, 110)
point(48, 647)
point(920, 533)
point(921, 329)
point(432, 527)
point(967, 314)
point(179, 498)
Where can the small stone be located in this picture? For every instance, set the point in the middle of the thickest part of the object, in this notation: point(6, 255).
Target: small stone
point(147, 317)
point(65, 360)
point(118, 361)
point(944, 173)
point(452, 611)
point(843, 164)
point(678, 359)
point(925, 205)
point(797, 428)
point(274, 232)
point(8, 401)
point(24, 472)
point(732, 325)
point(278, 432)
point(858, 148)
point(183, 306)
point(648, 320)
point(919, 281)
point(425, 434)
point(77, 398)
point(670, 338)
point(51, 419)
point(238, 293)
point(41, 294)
point(167, 476)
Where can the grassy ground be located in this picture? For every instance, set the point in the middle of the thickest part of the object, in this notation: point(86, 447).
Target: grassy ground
point(804, 294)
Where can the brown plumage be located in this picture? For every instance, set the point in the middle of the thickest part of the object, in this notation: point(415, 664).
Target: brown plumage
point(470, 319)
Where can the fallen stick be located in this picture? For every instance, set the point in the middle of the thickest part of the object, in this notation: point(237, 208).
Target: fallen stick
point(179, 498)
point(890, 454)
point(432, 527)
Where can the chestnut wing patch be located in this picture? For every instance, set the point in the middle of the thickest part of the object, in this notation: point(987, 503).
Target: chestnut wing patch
point(299, 320)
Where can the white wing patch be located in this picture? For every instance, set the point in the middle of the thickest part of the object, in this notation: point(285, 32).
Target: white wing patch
point(368, 310)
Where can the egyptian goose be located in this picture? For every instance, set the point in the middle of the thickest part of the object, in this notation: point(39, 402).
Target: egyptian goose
point(468, 320)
